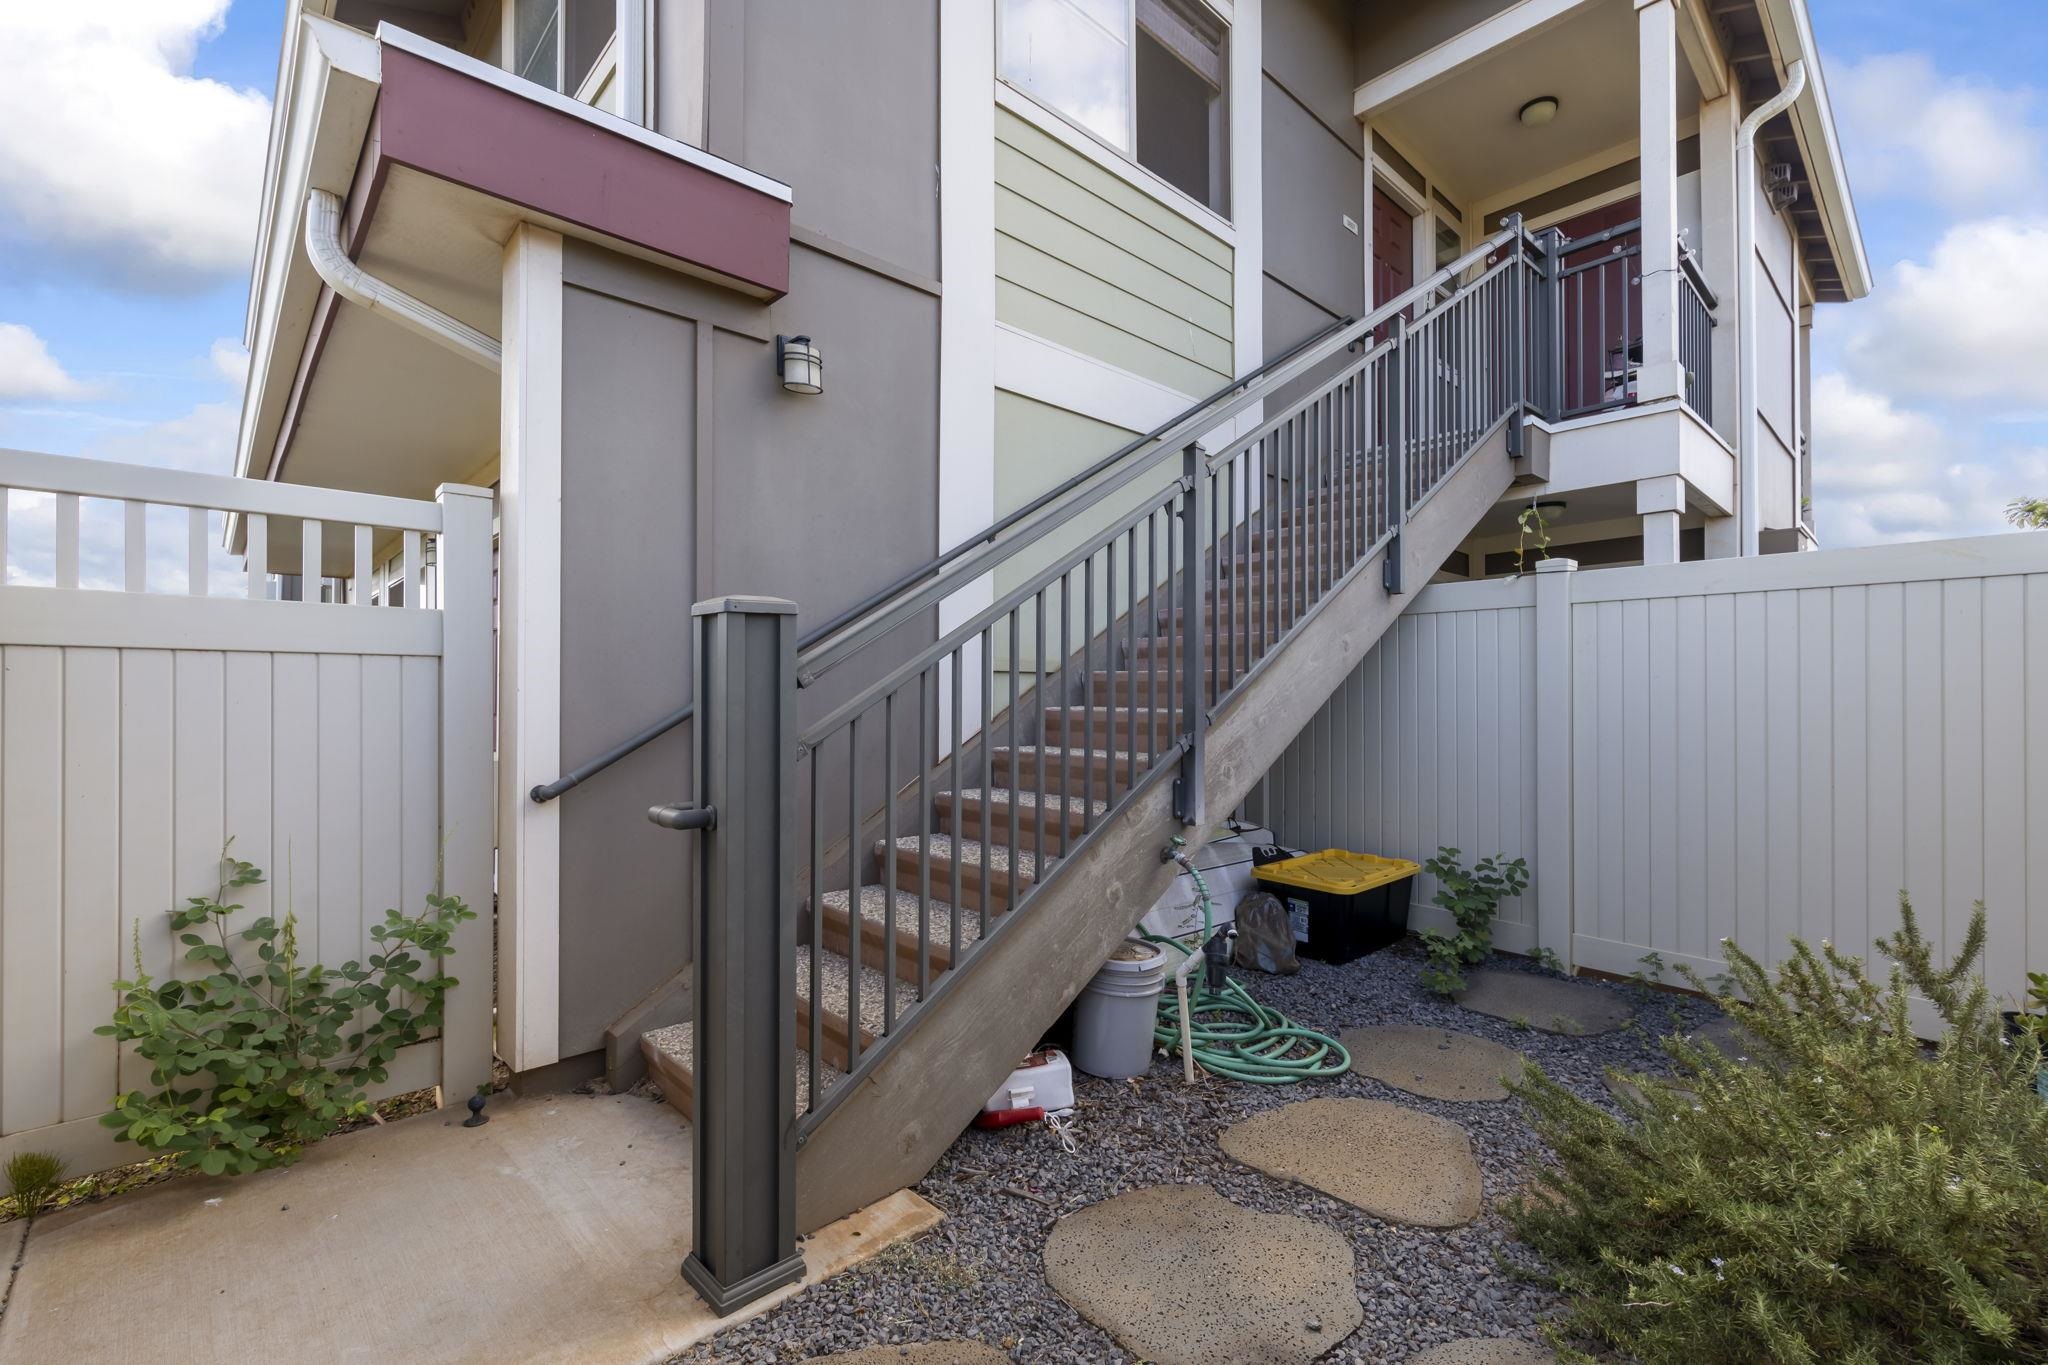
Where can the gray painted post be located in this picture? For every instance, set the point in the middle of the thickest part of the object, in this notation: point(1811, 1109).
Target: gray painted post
point(1397, 455)
point(1551, 874)
point(744, 1206)
point(1194, 699)
point(1518, 340)
point(468, 777)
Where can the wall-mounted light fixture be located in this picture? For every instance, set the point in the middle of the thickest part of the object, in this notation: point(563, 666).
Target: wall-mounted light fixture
point(800, 364)
point(1538, 111)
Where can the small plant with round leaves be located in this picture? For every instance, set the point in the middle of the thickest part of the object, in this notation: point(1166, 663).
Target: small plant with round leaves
point(1472, 896)
point(258, 1053)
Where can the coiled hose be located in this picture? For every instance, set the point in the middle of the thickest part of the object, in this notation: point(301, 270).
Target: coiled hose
point(1234, 1035)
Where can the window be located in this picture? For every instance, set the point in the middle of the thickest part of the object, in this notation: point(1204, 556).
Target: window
point(1144, 76)
point(557, 43)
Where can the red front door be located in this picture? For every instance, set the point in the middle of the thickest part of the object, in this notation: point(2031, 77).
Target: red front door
point(1393, 248)
point(1602, 306)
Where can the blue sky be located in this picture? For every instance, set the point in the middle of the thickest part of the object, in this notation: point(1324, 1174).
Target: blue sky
point(131, 146)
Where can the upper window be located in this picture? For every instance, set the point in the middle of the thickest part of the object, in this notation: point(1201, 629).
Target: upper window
point(1144, 76)
point(557, 43)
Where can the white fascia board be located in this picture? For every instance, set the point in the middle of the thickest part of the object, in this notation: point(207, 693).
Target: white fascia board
point(1515, 24)
point(329, 100)
point(1813, 120)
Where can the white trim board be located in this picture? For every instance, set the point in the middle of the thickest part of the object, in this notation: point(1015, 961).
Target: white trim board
point(1515, 24)
point(530, 650)
point(1047, 372)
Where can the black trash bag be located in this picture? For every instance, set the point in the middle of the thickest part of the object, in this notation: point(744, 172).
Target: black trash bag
point(1265, 938)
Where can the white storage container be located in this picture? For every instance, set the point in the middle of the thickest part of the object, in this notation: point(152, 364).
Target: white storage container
point(1045, 1081)
point(1226, 866)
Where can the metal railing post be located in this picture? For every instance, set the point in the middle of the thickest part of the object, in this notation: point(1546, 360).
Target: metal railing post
point(1553, 323)
point(1517, 338)
point(1194, 699)
point(744, 1173)
point(1397, 451)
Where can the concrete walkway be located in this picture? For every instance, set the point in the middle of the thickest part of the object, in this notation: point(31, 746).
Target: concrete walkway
point(553, 1233)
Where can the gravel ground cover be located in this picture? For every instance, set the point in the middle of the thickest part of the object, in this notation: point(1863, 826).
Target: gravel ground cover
point(980, 1274)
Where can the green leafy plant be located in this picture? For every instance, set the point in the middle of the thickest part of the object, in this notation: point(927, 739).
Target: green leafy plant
point(32, 1179)
point(1531, 527)
point(1472, 895)
point(1548, 960)
point(260, 1054)
point(1844, 1195)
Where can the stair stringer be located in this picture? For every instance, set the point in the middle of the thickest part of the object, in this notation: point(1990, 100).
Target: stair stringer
point(905, 1114)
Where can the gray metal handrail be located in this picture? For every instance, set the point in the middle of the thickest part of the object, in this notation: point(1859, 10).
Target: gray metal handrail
point(1180, 595)
point(831, 646)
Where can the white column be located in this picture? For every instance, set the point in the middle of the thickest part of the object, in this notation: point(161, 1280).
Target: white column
point(1717, 252)
point(967, 321)
point(1657, 95)
point(1724, 538)
point(530, 648)
point(1659, 502)
point(1551, 876)
point(468, 807)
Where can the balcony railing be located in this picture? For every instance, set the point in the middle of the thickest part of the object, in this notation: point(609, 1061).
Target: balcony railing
point(1595, 288)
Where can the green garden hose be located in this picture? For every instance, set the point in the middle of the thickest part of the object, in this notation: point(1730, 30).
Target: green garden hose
point(1234, 1035)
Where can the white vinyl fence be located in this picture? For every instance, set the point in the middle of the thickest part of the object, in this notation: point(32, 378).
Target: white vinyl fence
point(344, 746)
point(1741, 748)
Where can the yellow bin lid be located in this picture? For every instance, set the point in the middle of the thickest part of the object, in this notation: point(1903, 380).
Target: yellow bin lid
point(1337, 870)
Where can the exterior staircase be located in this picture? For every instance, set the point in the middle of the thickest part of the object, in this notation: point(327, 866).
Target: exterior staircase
point(979, 826)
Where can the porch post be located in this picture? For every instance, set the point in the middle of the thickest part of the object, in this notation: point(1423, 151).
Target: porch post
point(1717, 252)
point(468, 828)
point(1659, 502)
point(1552, 874)
point(743, 1208)
point(1661, 376)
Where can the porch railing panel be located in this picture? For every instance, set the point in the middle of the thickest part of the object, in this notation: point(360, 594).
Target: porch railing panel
point(1598, 298)
point(1696, 305)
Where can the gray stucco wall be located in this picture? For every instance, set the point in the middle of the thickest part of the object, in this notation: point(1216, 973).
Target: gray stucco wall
point(1314, 170)
point(689, 472)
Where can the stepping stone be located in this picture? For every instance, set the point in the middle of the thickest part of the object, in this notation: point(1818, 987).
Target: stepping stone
point(1435, 1063)
point(1394, 1162)
point(1549, 1003)
point(923, 1353)
point(1485, 1351)
point(1178, 1272)
point(1728, 1036)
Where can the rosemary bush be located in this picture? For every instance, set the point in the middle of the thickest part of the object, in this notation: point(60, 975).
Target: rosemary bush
point(263, 1054)
point(1843, 1195)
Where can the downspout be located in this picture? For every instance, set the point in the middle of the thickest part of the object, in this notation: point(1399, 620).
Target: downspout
point(1748, 534)
point(331, 262)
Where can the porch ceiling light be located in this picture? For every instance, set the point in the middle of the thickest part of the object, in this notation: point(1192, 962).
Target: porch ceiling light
point(800, 364)
point(1551, 506)
point(1538, 111)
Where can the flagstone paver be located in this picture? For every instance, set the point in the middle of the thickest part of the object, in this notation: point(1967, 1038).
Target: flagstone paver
point(1436, 1063)
point(1549, 1003)
point(923, 1353)
point(1178, 1272)
point(1394, 1162)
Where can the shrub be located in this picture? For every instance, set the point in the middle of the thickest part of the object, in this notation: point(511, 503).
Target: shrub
point(1843, 1195)
point(31, 1179)
point(1472, 896)
point(256, 1058)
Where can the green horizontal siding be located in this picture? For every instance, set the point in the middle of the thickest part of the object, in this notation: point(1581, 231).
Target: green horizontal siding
point(1087, 260)
point(1037, 447)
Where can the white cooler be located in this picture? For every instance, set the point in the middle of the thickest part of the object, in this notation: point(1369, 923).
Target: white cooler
point(1226, 865)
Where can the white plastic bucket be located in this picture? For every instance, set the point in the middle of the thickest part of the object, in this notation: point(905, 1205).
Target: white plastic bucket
point(1114, 1018)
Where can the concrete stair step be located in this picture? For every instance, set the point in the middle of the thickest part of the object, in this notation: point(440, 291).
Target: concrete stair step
point(1097, 774)
point(1107, 727)
point(1045, 829)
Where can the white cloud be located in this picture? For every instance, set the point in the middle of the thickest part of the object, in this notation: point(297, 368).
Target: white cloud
point(28, 370)
point(1908, 129)
point(230, 361)
point(1882, 472)
point(113, 155)
point(1971, 323)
